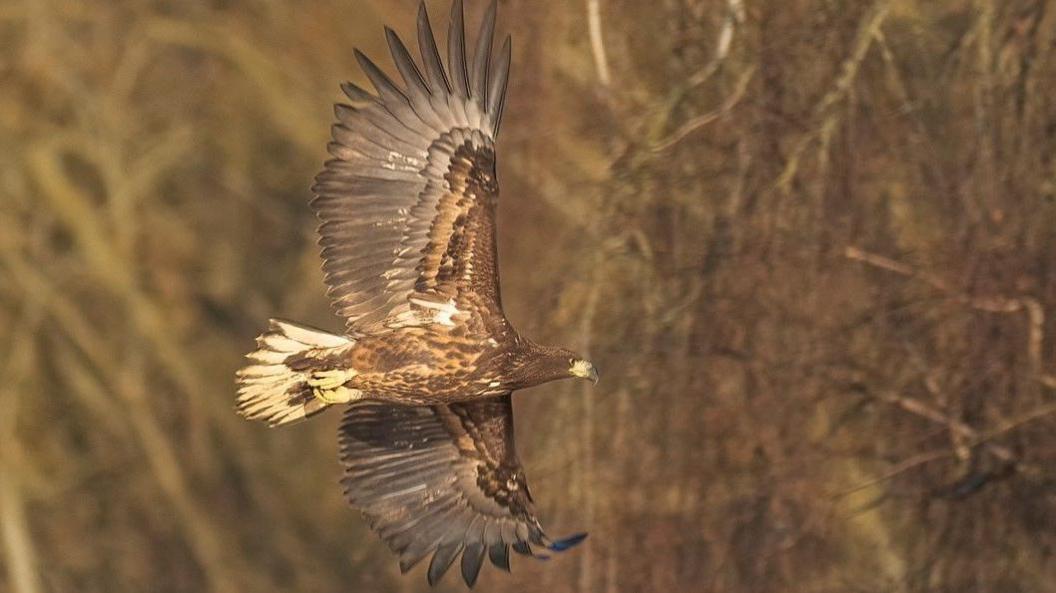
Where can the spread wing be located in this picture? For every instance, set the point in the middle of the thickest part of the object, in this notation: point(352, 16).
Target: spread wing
point(442, 480)
point(407, 203)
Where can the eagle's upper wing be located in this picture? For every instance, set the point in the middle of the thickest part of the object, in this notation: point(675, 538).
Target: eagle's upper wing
point(443, 480)
point(407, 204)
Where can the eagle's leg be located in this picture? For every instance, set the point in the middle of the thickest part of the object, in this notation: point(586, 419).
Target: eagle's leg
point(328, 386)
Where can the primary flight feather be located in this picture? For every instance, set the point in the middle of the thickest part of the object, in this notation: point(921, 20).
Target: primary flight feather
point(428, 361)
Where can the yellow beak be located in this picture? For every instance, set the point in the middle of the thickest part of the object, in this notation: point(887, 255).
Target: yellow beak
point(585, 370)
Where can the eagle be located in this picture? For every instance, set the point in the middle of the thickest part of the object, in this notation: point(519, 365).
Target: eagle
point(427, 363)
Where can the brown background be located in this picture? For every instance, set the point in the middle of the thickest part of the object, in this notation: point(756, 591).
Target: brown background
point(808, 243)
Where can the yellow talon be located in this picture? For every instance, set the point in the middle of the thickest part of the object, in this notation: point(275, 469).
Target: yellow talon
point(341, 395)
point(330, 379)
point(329, 386)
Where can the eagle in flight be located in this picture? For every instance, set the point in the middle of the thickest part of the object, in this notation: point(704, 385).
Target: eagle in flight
point(428, 361)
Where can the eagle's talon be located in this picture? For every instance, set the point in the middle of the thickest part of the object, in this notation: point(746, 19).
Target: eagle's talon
point(340, 395)
point(331, 379)
point(328, 386)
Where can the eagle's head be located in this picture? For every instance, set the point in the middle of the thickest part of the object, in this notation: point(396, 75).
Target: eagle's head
point(541, 364)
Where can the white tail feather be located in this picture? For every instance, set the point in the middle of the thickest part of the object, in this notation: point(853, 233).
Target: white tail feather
point(268, 389)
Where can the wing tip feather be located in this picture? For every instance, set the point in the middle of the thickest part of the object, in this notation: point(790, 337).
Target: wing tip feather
point(567, 543)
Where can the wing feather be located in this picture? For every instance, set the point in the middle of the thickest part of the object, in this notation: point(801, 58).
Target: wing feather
point(407, 204)
point(434, 68)
point(392, 98)
point(499, 81)
point(405, 64)
point(499, 555)
point(441, 480)
point(482, 56)
point(358, 94)
point(456, 50)
point(472, 560)
point(442, 560)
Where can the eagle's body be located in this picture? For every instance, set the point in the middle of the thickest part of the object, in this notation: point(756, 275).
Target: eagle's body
point(431, 365)
point(428, 360)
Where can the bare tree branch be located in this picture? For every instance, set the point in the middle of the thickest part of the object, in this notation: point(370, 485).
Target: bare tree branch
point(733, 18)
point(824, 118)
point(919, 408)
point(702, 120)
point(597, 42)
point(995, 304)
point(15, 533)
point(991, 304)
point(896, 470)
point(158, 450)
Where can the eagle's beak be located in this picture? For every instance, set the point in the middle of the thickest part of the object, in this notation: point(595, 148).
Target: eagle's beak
point(585, 370)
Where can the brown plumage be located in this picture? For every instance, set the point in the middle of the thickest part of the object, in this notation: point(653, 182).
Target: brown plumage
point(428, 360)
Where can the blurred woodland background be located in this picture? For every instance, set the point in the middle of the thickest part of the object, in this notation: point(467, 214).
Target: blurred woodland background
point(809, 244)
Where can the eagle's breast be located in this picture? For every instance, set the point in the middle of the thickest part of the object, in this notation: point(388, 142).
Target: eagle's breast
point(428, 365)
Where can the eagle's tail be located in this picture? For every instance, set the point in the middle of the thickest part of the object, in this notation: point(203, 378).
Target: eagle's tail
point(280, 387)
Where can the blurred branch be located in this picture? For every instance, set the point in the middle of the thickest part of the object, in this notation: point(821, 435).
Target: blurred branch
point(275, 86)
point(973, 438)
point(993, 304)
point(597, 43)
point(967, 436)
point(891, 266)
point(82, 384)
point(923, 410)
point(75, 208)
point(985, 167)
point(702, 120)
point(18, 545)
point(953, 407)
point(115, 271)
point(989, 304)
point(129, 183)
point(588, 313)
point(158, 450)
point(895, 471)
point(1010, 425)
point(734, 17)
point(823, 112)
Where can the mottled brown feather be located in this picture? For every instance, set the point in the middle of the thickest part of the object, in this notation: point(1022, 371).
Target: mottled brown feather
point(440, 480)
point(407, 205)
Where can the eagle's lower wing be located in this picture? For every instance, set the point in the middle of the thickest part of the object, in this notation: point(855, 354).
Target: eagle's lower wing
point(442, 480)
point(407, 204)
